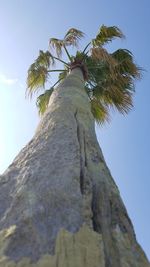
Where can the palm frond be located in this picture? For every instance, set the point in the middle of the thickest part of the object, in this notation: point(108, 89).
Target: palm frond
point(111, 91)
point(72, 37)
point(45, 59)
point(43, 100)
point(63, 75)
point(38, 73)
point(57, 44)
point(101, 54)
point(99, 111)
point(106, 35)
point(36, 79)
point(125, 64)
point(117, 98)
point(98, 71)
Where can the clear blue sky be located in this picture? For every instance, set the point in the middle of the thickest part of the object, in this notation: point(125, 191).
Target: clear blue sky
point(25, 27)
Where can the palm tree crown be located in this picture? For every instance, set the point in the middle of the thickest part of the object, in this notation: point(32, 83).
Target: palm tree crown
point(109, 77)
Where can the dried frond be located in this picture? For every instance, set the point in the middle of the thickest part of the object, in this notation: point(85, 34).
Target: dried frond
point(107, 34)
point(99, 53)
point(57, 44)
point(72, 37)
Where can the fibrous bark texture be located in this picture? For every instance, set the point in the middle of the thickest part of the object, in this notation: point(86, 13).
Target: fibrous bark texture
point(59, 205)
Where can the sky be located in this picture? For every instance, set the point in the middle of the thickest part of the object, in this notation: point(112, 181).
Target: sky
point(25, 28)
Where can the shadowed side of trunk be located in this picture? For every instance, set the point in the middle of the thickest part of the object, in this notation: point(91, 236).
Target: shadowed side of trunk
point(59, 205)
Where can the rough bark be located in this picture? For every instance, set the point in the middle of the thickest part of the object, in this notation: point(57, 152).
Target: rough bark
point(59, 205)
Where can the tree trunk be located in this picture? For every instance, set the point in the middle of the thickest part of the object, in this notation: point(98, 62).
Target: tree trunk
point(59, 206)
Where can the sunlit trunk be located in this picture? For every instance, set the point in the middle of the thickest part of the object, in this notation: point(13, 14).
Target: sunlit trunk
point(59, 205)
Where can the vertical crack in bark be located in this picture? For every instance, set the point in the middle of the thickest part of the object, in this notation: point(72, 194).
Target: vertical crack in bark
point(85, 153)
point(81, 151)
point(85, 180)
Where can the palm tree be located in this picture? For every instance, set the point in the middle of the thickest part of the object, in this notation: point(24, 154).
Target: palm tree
point(109, 77)
point(63, 207)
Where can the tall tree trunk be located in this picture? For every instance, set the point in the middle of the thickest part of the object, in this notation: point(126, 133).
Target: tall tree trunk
point(59, 205)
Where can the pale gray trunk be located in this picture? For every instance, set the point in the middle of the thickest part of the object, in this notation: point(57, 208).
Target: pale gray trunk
point(60, 180)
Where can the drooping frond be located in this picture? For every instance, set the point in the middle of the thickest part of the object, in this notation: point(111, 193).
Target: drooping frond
point(107, 34)
point(57, 44)
point(72, 37)
point(114, 96)
point(43, 100)
point(37, 77)
point(45, 59)
point(125, 64)
point(99, 111)
point(108, 91)
point(38, 72)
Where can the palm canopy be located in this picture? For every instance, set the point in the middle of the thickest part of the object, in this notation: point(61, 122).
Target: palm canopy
point(109, 77)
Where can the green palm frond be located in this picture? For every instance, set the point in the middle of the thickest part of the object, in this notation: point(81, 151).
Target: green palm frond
point(99, 111)
point(45, 59)
point(72, 37)
point(125, 64)
point(43, 100)
point(62, 75)
point(116, 97)
point(106, 35)
point(37, 77)
point(98, 71)
point(115, 94)
point(38, 73)
point(105, 99)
